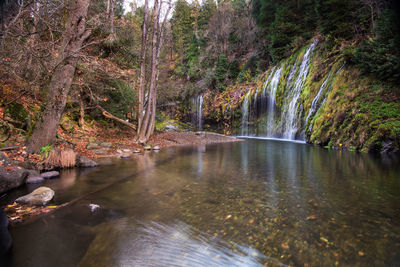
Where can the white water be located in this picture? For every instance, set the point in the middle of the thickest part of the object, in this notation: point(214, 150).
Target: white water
point(314, 104)
point(197, 112)
point(245, 114)
point(271, 102)
point(290, 116)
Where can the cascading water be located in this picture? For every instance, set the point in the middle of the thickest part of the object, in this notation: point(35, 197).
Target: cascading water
point(245, 114)
point(197, 112)
point(271, 102)
point(314, 104)
point(290, 117)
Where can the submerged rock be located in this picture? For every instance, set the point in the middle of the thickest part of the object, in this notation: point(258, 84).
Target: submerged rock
point(40, 196)
point(49, 175)
point(86, 163)
point(12, 177)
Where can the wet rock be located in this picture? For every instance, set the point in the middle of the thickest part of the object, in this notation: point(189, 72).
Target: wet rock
point(5, 237)
point(147, 147)
point(12, 177)
point(86, 163)
point(125, 156)
point(102, 151)
point(125, 150)
point(136, 151)
point(91, 146)
point(40, 196)
point(156, 148)
point(34, 179)
point(171, 128)
point(49, 175)
point(67, 124)
point(94, 207)
point(119, 151)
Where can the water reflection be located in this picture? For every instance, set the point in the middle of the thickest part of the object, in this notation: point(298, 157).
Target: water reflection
point(290, 202)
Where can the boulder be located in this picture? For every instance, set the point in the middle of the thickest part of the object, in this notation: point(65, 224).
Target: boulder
point(17, 115)
point(91, 146)
point(11, 177)
point(67, 124)
point(40, 196)
point(85, 162)
point(49, 175)
point(5, 237)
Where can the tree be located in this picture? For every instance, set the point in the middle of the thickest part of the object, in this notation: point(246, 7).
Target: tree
point(74, 35)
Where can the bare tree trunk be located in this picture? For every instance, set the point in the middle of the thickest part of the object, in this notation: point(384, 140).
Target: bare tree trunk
point(75, 33)
point(142, 87)
point(145, 127)
point(112, 6)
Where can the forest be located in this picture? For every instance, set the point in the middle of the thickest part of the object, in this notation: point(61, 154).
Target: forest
point(83, 81)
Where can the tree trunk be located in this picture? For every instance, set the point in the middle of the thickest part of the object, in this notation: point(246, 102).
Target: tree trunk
point(143, 133)
point(81, 111)
point(142, 87)
point(75, 33)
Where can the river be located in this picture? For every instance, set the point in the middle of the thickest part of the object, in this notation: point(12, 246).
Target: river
point(248, 203)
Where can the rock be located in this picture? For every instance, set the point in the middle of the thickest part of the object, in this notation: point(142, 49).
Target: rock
point(147, 147)
point(171, 128)
point(49, 175)
point(34, 177)
point(4, 131)
point(94, 207)
point(388, 147)
point(137, 151)
point(67, 124)
point(91, 146)
point(86, 163)
point(106, 144)
point(102, 151)
point(12, 177)
point(17, 115)
point(119, 151)
point(5, 237)
point(125, 156)
point(40, 196)
point(156, 148)
point(34, 180)
point(125, 150)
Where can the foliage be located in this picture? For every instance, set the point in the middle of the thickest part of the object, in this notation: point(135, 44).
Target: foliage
point(46, 150)
point(380, 56)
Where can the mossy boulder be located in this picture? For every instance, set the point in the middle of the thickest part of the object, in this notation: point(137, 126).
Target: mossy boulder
point(67, 124)
point(17, 115)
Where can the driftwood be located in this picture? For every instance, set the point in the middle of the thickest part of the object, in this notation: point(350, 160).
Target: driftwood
point(110, 116)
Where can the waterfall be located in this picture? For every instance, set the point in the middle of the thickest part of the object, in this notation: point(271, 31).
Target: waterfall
point(314, 104)
point(290, 117)
point(197, 111)
point(271, 102)
point(245, 114)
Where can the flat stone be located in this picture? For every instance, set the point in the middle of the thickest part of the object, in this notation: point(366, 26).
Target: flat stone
point(125, 150)
point(12, 178)
point(156, 148)
point(119, 151)
point(136, 151)
point(91, 146)
point(147, 147)
point(34, 179)
point(48, 175)
point(106, 144)
point(86, 163)
point(101, 151)
point(40, 196)
point(125, 156)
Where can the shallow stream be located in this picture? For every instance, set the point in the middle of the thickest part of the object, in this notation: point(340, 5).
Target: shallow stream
point(251, 203)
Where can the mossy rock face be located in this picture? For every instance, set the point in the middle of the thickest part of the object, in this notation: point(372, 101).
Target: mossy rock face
point(67, 124)
point(17, 115)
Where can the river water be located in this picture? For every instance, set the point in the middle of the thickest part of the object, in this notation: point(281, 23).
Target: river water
point(251, 203)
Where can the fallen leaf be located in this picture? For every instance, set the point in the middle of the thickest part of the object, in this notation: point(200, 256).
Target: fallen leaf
point(361, 254)
point(285, 246)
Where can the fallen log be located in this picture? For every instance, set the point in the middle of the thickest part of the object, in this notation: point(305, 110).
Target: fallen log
point(110, 116)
